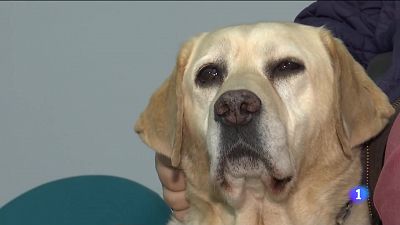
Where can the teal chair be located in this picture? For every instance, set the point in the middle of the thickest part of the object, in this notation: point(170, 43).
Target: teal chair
point(87, 200)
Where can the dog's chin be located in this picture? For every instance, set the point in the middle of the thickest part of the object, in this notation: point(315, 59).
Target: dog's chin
point(247, 177)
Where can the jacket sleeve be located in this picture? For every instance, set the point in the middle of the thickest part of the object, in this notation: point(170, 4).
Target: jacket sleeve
point(363, 26)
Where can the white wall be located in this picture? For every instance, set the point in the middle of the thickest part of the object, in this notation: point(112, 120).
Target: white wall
point(74, 76)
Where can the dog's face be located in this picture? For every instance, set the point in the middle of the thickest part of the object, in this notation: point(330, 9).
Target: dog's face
point(259, 96)
point(251, 92)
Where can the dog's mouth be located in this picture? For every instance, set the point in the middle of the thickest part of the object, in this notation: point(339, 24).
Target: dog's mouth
point(243, 161)
point(244, 167)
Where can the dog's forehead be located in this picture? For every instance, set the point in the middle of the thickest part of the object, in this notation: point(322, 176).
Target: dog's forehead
point(262, 37)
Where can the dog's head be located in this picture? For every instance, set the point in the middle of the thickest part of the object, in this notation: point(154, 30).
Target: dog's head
point(262, 97)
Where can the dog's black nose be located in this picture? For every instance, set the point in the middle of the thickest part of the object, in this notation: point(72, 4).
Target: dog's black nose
point(236, 107)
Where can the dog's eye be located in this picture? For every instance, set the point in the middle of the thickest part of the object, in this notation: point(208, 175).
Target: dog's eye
point(209, 75)
point(286, 67)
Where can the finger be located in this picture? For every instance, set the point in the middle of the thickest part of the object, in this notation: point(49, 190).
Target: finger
point(180, 214)
point(170, 177)
point(175, 200)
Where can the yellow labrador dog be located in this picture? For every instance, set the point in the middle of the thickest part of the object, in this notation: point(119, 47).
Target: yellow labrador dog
point(266, 121)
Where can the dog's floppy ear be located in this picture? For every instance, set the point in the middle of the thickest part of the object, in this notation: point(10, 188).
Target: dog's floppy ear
point(363, 108)
point(160, 125)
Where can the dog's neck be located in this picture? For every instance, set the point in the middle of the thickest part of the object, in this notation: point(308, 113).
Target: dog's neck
point(316, 198)
point(310, 203)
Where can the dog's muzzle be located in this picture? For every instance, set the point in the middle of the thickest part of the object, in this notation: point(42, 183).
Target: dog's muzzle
point(242, 154)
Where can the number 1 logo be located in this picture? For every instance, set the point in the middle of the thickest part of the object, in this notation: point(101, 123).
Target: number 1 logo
point(359, 194)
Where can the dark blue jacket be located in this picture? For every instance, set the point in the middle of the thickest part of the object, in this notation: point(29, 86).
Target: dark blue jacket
point(367, 28)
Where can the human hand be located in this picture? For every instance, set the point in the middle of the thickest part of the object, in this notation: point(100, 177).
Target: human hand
point(174, 187)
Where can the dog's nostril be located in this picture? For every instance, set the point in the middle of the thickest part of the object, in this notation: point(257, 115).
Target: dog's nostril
point(222, 109)
point(244, 107)
point(253, 106)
